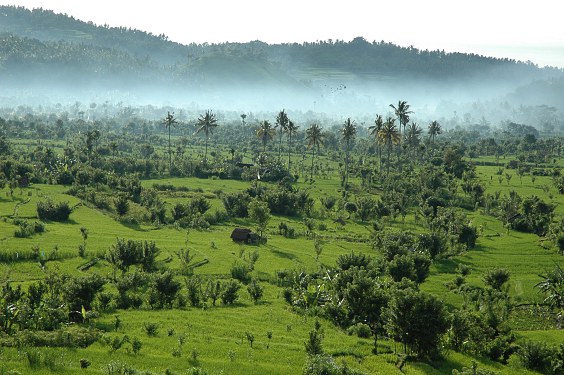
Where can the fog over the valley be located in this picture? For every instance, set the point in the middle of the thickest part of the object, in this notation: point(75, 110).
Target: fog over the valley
point(50, 62)
point(329, 99)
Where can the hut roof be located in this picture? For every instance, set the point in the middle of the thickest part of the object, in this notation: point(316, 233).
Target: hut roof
point(240, 234)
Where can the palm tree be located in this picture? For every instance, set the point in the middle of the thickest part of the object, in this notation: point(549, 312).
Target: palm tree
point(290, 130)
point(402, 113)
point(113, 146)
point(389, 136)
point(374, 130)
point(314, 137)
point(434, 130)
point(282, 126)
point(412, 135)
point(348, 133)
point(169, 121)
point(206, 124)
point(552, 285)
point(265, 133)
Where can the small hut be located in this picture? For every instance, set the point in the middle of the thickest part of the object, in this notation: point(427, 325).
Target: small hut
point(244, 235)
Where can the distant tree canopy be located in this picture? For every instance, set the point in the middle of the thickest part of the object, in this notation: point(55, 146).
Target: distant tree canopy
point(41, 41)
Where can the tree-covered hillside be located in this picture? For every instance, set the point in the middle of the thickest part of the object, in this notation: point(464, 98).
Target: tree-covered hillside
point(61, 39)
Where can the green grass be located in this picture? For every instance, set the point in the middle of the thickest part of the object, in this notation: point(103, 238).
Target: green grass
point(217, 333)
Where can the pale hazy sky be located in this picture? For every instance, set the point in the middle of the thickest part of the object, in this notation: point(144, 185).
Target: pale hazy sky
point(519, 29)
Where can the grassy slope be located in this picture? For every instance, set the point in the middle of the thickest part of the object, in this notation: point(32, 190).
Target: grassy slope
point(516, 251)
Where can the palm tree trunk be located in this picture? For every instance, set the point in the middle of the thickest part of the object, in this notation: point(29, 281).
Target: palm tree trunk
point(169, 152)
point(280, 147)
point(347, 167)
point(206, 152)
point(388, 161)
point(312, 159)
point(380, 155)
point(289, 149)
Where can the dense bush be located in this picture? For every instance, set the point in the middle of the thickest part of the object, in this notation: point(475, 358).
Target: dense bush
point(236, 204)
point(534, 216)
point(163, 290)
point(69, 337)
point(324, 364)
point(123, 254)
point(79, 292)
point(49, 210)
point(536, 356)
point(418, 320)
point(240, 271)
point(27, 229)
point(230, 292)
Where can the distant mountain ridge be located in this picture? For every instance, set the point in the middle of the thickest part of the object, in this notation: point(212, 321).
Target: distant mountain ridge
point(40, 46)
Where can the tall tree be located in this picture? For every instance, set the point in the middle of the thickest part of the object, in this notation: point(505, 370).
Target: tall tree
point(348, 132)
point(281, 126)
point(291, 130)
point(91, 140)
point(265, 133)
point(402, 113)
point(169, 121)
point(314, 137)
point(412, 136)
point(389, 136)
point(374, 130)
point(434, 130)
point(206, 123)
point(418, 320)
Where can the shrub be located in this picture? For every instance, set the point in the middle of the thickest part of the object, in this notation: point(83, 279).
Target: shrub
point(216, 217)
point(255, 290)
point(236, 204)
point(240, 271)
point(136, 345)
point(69, 337)
point(288, 295)
point(351, 207)
point(496, 278)
point(122, 204)
point(229, 292)
point(313, 344)
point(151, 329)
point(346, 261)
point(286, 231)
point(328, 202)
point(105, 300)
point(84, 363)
point(163, 290)
point(26, 229)
point(194, 289)
point(199, 204)
point(33, 357)
point(366, 208)
point(124, 254)
point(48, 210)
point(536, 356)
point(474, 370)
point(326, 365)
point(80, 292)
point(361, 330)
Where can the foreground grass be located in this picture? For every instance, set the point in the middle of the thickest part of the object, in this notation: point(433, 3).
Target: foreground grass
point(216, 338)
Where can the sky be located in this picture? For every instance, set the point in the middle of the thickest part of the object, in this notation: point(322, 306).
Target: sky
point(520, 29)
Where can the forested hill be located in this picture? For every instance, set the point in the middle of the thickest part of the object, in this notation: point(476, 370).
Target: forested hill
point(45, 25)
point(40, 46)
